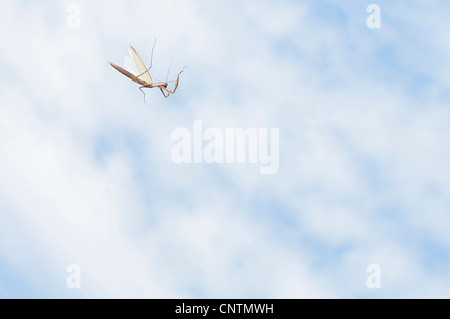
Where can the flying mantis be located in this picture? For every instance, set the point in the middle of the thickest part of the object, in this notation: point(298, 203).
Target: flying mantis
point(136, 70)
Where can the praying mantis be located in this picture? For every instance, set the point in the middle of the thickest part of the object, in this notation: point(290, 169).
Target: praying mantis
point(136, 70)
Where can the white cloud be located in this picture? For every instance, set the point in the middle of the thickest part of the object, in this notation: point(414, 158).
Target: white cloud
point(362, 165)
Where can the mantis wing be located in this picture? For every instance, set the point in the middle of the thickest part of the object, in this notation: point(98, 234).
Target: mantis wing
point(135, 65)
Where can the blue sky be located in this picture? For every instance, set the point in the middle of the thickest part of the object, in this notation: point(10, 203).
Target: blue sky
point(86, 175)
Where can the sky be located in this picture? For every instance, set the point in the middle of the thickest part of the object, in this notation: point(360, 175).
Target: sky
point(92, 204)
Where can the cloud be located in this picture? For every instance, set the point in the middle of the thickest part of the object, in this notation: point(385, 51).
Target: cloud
point(87, 177)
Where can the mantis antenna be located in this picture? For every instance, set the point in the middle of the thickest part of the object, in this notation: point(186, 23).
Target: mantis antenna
point(170, 65)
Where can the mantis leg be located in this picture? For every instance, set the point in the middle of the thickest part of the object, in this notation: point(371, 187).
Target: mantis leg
point(151, 60)
point(140, 88)
point(162, 91)
point(176, 84)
